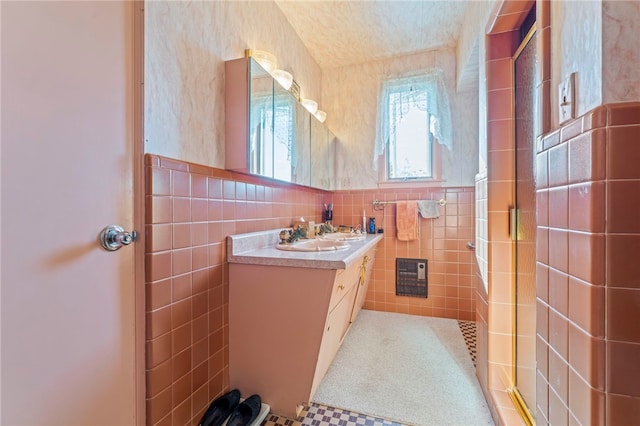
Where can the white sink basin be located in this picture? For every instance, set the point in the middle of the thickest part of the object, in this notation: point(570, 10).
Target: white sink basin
point(314, 245)
point(342, 236)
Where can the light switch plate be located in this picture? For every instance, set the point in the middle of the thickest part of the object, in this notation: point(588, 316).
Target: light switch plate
point(566, 98)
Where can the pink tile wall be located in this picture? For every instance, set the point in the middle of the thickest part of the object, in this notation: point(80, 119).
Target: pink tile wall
point(588, 274)
point(190, 209)
point(442, 241)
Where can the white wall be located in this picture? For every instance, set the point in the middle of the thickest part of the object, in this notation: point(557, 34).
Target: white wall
point(621, 51)
point(598, 40)
point(186, 44)
point(471, 54)
point(471, 39)
point(350, 97)
point(576, 46)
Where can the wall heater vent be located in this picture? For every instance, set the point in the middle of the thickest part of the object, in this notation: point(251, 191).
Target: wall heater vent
point(411, 277)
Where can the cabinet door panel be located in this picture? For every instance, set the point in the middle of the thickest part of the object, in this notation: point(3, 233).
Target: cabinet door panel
point(284, 134)
point(302, 147)
point(260, 121)
point(319, 141)
point(337, 324)
point(322, 155)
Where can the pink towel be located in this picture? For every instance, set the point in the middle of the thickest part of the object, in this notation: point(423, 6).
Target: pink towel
point(407, 220)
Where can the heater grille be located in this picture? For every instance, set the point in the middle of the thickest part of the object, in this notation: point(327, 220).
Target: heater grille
point(411, 277)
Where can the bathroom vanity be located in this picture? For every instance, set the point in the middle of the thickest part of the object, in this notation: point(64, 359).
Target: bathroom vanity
point(288, 314)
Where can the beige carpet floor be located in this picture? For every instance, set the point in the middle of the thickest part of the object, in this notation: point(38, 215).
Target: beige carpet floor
point(411, 369)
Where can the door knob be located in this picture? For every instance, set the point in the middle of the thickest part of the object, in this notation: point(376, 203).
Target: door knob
point(113, 237)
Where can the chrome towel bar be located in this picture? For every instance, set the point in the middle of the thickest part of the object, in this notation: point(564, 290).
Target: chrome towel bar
point(379, 205)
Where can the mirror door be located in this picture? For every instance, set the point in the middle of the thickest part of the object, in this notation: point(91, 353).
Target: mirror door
point(284, 134)
point(322, 167)
point(302, 148)
point(261, 124)
point(269, 133)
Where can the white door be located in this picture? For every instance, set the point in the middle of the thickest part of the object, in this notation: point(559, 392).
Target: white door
point(68, 308)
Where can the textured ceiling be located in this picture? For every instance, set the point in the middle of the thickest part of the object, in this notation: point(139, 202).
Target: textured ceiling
point(339, 33)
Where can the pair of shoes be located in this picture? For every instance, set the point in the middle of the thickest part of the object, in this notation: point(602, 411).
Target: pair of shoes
point(229, 406)
point(220, 409)
point(246, 412)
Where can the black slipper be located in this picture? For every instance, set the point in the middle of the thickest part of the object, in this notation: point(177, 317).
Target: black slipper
point(246, 412)
point(220, 409)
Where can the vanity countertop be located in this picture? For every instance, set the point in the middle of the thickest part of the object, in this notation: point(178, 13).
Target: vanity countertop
point(259, 248)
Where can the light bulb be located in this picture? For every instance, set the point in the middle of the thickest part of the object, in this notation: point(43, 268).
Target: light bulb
point(310, 105)
point(266, 59)
point(320, 115)
point(284, 78)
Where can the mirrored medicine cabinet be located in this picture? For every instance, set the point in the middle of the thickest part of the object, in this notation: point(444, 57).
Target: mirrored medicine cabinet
point(269, 133)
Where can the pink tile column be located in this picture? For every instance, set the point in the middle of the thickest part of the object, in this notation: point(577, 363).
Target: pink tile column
point(593, 341)
point(500, 197)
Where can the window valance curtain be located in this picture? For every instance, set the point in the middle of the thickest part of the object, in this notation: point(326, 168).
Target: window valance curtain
point(427, 92)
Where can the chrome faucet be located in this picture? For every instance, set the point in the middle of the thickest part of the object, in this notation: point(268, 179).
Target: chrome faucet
point(284, 235)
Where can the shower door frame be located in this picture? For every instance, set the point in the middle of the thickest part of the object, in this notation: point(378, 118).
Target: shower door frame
point(516, 233)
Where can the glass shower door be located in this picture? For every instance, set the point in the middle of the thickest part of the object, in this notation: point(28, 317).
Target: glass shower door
point(525, 113)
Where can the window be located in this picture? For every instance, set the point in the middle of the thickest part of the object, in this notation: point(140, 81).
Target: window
point(409, 147)
point(413, 113)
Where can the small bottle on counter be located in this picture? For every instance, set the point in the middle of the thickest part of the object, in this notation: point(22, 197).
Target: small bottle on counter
point(372, 225)
point(328, 215)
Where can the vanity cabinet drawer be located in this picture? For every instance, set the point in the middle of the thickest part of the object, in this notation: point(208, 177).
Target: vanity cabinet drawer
point(346, 280)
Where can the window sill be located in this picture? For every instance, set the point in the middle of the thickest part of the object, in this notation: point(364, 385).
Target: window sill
point(413, 183)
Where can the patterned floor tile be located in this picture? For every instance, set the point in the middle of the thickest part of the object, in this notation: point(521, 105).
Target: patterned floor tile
point(468, 329)
point(274, 420)
point(317, 414)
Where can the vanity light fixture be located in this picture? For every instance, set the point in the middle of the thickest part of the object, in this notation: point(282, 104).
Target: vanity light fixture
point(266, 59)
point(310, 105)
point(269, 62)
point(284, 78)
point(320, 115)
